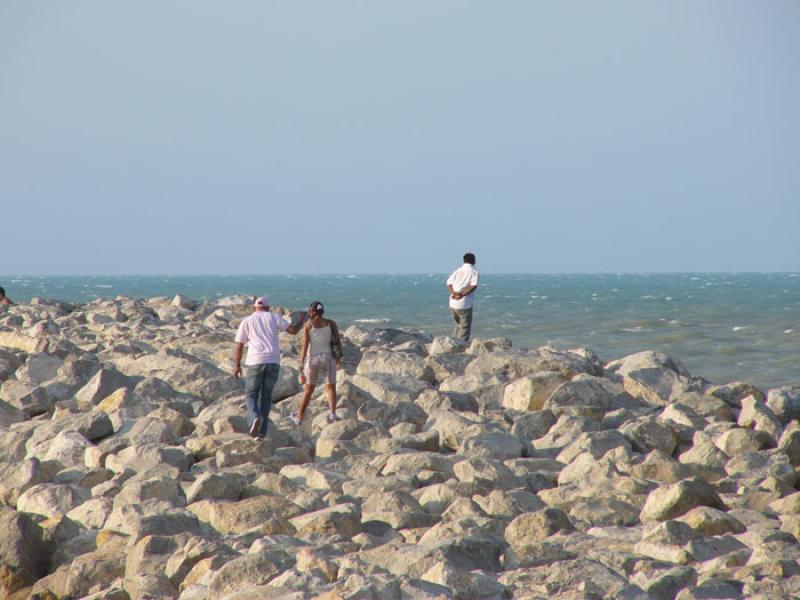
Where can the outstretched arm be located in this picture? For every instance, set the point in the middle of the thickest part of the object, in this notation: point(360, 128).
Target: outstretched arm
point(295, 327)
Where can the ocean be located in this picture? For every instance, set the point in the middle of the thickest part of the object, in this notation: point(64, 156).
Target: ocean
point(722, 326)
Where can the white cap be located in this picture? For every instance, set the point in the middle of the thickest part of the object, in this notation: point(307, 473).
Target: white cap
point(261, 301)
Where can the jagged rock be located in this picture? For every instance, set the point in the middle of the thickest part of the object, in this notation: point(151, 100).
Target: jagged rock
point(490, 442)
point(711, 521)
point(531, 392)
point(589, 390)
point(432, 401)
point(390, 388)
point(23, 553)
point(50, 500)
point(397, 509)
point(650, 434)
point(248, 571)
point(760, 417)
point(673, 501)
point(533, 527)
point(395, 363)
point(785, 403)
point(738, 441)
point(101, 385)
point(486, 472)
point(343, 519)
point(653, 376)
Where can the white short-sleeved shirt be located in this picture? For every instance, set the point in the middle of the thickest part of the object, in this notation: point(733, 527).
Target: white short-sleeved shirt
point(260, 332)
point(462, 278)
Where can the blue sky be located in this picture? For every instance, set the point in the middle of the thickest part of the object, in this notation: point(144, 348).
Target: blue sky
point(196, 137)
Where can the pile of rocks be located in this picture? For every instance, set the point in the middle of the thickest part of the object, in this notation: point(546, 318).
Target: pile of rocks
point(458, 471)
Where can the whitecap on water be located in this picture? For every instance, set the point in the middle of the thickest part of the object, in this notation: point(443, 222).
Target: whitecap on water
point(739, 327)
point(371, 320)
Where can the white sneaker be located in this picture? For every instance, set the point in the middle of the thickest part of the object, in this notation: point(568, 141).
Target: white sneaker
point(255, 428)
point(295, 418)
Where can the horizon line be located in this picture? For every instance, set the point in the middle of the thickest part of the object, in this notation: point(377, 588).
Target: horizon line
point(396, 273)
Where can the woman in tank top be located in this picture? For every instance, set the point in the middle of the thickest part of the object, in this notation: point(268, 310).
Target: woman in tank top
point(317, 360)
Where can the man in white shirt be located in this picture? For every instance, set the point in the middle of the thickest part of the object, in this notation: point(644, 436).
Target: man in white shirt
point(260, 332)
point(462, 285)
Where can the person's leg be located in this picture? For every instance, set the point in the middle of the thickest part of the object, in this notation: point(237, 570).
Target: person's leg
point(253, 382)
point(466, 320)
point(330, 376)
point(463, 323)
point(332, 398)
point(309, 390)
point(456, 323)
point(271, 372)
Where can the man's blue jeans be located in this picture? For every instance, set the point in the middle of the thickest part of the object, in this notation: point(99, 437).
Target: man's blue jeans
point(258, 383)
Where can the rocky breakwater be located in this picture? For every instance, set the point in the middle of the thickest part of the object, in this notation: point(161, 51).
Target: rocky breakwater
point(479, 471)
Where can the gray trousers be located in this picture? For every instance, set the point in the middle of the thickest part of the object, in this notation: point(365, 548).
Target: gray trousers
point(462, 323)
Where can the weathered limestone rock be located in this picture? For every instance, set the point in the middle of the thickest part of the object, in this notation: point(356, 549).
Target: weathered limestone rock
point(247, 571)
point(653, 376)
point(785, 403)
point(509, 505)
point(486, 472)
point(738, 441)
point(588, 390)
point(760, 417)
point(397, 509)
point(49, 500)
point(389, 388)
point(531, 392)
point(711, 521)
point(343, 519)
point(23, 553)
point(395, 363)
point(533, 527)
point(673, 501)
point(490, 442)
point(102, 384)
point(650, 434)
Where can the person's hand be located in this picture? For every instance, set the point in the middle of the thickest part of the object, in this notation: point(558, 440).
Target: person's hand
point(338, 364)
point(237, 371)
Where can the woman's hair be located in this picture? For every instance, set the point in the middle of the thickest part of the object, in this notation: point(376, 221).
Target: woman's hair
point(317, 307)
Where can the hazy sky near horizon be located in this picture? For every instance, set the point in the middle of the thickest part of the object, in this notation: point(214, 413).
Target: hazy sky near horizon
point(194, 137)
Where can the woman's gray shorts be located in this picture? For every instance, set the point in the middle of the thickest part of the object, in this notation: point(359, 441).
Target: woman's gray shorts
point(320, 365)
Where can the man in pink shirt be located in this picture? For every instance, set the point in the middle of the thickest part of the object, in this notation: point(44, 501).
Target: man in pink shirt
point(259, 332)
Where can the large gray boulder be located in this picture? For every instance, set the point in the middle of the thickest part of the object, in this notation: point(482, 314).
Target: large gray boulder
point(653, 376)
point(23, 553)
point(673, 501)
point(395, 363)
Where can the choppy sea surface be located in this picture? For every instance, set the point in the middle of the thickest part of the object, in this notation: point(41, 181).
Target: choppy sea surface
point(722, 326)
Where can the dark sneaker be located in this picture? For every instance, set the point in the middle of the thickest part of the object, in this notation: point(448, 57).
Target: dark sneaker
point(255, 428)
point(333, 417)
point(295, 418)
